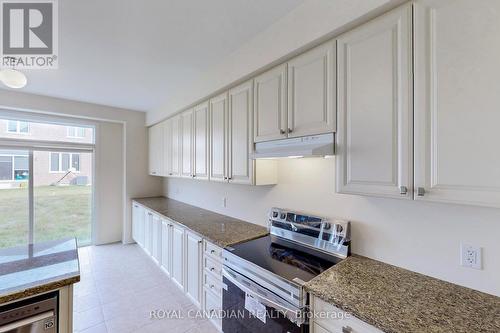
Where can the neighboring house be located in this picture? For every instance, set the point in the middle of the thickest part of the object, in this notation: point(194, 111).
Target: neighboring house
point(49, 167)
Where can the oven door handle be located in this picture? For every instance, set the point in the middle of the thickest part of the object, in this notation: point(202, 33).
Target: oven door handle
point(292, 313)
point(25, 322)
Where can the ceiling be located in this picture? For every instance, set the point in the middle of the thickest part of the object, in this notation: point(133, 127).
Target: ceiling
point(131, 54)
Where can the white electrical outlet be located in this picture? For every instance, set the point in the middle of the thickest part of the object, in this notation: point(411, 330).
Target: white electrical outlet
point(470, 256)
point(224, 202)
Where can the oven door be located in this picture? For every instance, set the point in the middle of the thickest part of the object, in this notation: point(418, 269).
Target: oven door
point(248, 307)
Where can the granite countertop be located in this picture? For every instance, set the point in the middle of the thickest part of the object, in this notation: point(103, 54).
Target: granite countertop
point(398, 301)
point(33, 269)
point(217, 228)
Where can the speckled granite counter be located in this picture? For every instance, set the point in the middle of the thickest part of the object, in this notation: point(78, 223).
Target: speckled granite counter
point(33, 269)
point(399, 301)
point(217, 228)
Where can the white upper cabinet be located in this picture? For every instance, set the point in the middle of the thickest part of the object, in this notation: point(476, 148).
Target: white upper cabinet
point(167, 147)
point(156, 150)
point(457, 99)
point(175, 142)
point(200, 149)
point(187, 144)
point(270, 113)
point(240, 140)
point(311, 92)
point(374, 131)
point(218, 147)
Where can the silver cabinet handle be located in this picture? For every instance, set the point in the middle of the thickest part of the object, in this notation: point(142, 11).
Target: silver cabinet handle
point(212, 269)
point(282, 131)
point(403, 190)
point(420, 191)
point(290, 130)
point(346, 329)
point(213, 251)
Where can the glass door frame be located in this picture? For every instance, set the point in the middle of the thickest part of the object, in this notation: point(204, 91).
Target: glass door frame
point(50, 146)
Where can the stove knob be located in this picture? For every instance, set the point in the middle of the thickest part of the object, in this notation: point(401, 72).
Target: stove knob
point(275, 214)
point(339, 228)
point(327, 226)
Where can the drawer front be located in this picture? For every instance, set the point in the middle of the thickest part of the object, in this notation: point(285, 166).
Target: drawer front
point(212, 250)
point(338, 321)
point(213, 266)
point(212, 283)
point(212, 307)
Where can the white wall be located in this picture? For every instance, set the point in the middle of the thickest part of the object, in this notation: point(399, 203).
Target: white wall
point(309, 23)
point(419, 236)
point(115, 216)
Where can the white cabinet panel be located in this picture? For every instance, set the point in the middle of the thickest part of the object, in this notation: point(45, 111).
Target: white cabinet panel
point(156, 149)
point(166, 246)
point(311, 92)
point(270, 114)
point(240, 140)
point(167, 147)
point(201, 151)
point(148, 231)
point(138, 224)
point(218, 148)
point(178, 255)
point(193, 267)
point(457, 100)
point(156, 238)
point(374, 135)
point(187, 144)
point(175, 141)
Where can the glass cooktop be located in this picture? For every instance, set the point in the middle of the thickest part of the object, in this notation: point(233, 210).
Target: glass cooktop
point(284, 259)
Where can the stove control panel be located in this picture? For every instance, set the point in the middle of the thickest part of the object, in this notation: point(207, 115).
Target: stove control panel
point(314, 231)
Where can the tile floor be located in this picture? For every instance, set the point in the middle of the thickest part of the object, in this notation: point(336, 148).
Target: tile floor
point(120, 286)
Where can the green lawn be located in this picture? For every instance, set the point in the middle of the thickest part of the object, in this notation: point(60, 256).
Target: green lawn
point(60, 211)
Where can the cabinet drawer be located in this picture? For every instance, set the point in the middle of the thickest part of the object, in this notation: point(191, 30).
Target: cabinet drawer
point(212, 250)
point(213, 266)
point(212, 283)
point(212, 306)
point(337, 320)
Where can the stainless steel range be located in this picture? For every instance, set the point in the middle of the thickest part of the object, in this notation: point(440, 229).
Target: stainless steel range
point(264, 277)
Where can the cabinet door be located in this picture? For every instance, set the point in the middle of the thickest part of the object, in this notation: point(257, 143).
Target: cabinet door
point(166, 247)
point(374, 135)
point(201, 141)
point(178, 255)
point(218, 140)
point(156, 238)
point(187, 144)
point(193, 267)
point(240, 140)
point(167, 147)
point(155, 149)
point(148, 217)
point(457, 100)
point(270, 110)
point(175, 148)
point(137, 221)
point(312, 91)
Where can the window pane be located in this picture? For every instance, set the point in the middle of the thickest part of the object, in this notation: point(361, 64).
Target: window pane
point(21, 167)
point(54, 162)
point(24, 127)
point(12, 126)
point(65, 162)
point(14, 203)
point(47, 131)
point(5, 167)
point(75, 162)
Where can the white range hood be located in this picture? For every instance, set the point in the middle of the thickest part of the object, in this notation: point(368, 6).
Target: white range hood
point(306, 146)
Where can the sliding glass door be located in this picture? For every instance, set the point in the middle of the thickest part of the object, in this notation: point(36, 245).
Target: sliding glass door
point(46, 182)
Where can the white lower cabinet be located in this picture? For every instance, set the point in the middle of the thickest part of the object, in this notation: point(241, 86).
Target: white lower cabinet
point(193, 267)
point(178, 255)
point(330, 319)
point(156, 239)
point(148, 226)
point(138, 224)
point(166, 246)
point(212, 282)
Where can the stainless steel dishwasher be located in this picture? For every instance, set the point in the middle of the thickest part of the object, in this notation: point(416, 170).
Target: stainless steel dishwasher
point(38, 314)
